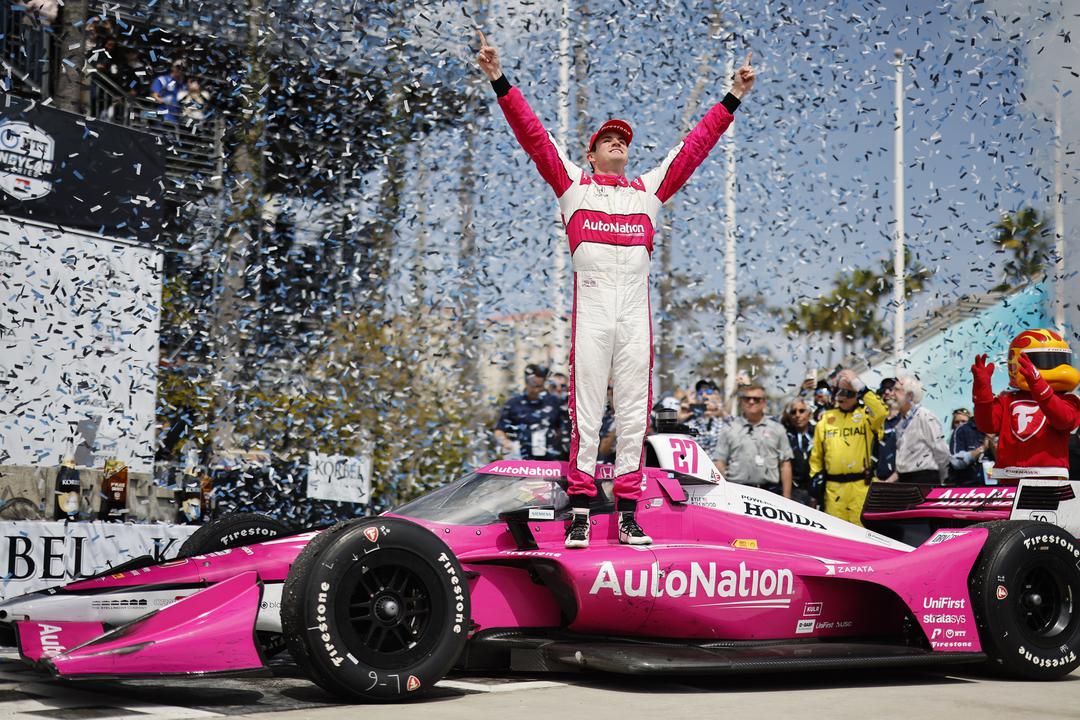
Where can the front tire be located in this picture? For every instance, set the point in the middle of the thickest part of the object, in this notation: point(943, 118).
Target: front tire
point(376, 609)
point(1025, 591)
point(232, 531)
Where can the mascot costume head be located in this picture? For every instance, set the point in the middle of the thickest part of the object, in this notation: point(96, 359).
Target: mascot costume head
point(1048, 352)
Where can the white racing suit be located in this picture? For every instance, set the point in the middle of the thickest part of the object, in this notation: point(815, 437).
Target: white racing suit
point(610, 222)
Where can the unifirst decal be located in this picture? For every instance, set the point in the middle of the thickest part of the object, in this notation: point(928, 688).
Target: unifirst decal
point(698, 580)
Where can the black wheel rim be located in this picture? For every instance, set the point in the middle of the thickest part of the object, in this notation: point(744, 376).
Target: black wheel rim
point(1047, 605)
point(393, 609)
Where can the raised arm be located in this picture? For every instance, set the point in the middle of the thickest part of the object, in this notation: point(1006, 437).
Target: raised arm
point(1061, 411)
point(550, 159)
point(987, 410)
point(666, 179)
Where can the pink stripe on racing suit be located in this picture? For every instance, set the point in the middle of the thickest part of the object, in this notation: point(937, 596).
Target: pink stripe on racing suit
point(610, 223)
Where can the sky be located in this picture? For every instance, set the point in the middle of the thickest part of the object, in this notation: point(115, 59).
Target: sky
point(814, 144)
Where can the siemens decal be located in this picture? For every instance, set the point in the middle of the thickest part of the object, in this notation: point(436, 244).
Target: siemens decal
point(696, 581)
point(616, 227)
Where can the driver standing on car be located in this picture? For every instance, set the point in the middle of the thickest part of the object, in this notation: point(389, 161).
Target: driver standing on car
point(610, 220)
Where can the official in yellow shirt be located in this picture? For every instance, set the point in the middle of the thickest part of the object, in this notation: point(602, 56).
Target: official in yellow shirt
point(843, 443)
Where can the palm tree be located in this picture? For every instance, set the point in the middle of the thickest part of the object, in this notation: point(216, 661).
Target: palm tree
point(916, 275)
point(1026, 235)
point(850, 315)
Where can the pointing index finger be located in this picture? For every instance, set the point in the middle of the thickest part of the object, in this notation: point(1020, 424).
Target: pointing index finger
point(749, 59)
point(483, 40)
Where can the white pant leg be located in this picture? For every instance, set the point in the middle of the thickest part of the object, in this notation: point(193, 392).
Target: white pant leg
point(590, 351)
point(632, 370)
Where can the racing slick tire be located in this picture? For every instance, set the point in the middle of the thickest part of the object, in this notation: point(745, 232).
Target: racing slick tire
point(1025, 592)
point(232, 531)
point(376, 609)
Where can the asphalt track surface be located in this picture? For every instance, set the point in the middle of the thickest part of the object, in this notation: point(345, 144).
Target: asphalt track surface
point(861, 695)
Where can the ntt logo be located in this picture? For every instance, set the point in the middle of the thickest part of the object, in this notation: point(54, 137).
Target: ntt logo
point(617, 228)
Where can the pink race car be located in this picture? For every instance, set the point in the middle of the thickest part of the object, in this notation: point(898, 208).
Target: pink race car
point(475, 576)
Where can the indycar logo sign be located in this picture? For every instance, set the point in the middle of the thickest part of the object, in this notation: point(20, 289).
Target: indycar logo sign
point(26, 160)
point(752, 588)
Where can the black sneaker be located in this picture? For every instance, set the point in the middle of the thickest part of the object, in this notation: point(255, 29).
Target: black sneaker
point(577, 535)
point(630, 533)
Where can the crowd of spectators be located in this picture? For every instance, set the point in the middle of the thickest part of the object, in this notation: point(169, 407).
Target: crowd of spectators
point(180, 98)
point(829, 441)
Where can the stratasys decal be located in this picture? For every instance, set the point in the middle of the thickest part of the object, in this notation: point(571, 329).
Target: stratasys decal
point(754, 588)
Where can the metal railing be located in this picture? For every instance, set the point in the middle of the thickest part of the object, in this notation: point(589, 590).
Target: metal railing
point(224, 20)
point(27, 51)
point(194, 159)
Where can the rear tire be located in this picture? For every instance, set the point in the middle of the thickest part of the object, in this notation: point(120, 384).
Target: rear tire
point(1025, 592)
point(376, 609)
point(232, 531)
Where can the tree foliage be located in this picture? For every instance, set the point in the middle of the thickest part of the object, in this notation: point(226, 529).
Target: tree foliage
point(1026, 236)
point(851, 316)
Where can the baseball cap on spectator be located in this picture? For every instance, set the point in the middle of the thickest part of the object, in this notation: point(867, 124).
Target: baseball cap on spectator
point(535, 369)
point(620, 126)
point(886, 384)
point(669, 402)
point(704, 384)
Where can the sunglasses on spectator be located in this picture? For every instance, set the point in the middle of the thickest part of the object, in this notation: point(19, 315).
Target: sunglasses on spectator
point(800, 411)
point(752, 399)
point(708, 391)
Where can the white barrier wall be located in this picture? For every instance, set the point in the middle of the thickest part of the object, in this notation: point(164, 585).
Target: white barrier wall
point(79, 322)
point(37, 555)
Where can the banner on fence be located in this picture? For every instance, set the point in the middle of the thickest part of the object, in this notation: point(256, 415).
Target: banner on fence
point(37, 555)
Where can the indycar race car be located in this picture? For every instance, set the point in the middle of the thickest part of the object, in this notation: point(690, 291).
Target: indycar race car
point(475, 576)
point(912, 513)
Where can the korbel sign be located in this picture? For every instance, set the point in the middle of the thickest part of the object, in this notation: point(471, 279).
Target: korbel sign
point(26, 160)
point(339, 477)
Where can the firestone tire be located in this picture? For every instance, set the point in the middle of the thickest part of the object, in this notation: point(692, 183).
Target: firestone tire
point(1025, 592)
point(232, 531)
point(376, 610)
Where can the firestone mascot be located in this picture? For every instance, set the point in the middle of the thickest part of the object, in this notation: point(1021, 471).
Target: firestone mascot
point(1032, 422)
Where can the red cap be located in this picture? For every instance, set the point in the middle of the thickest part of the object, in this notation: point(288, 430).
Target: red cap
point(620, 126)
